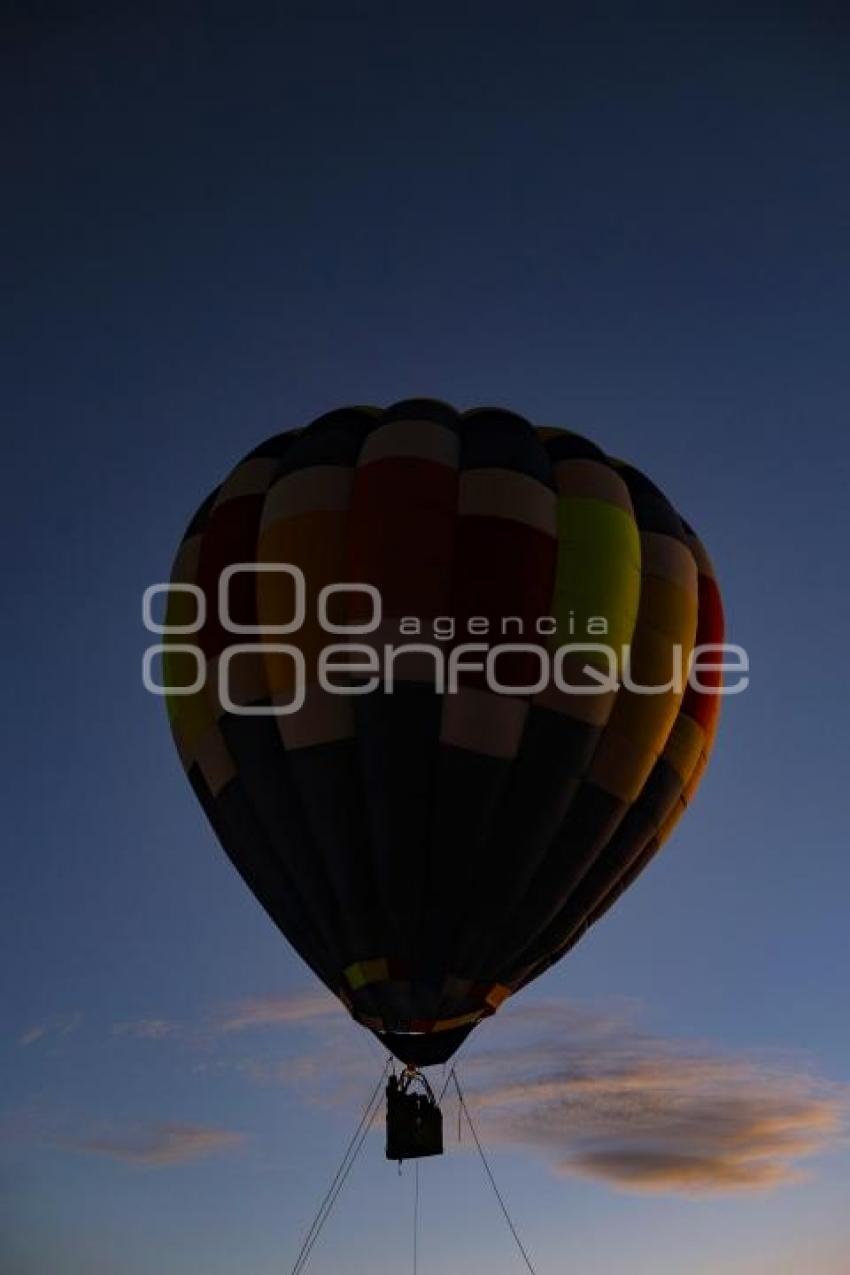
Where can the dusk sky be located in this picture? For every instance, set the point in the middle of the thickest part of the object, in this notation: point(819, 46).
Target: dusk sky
point(222, 221)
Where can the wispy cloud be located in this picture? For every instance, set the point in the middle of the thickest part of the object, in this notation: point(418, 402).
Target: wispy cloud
point(272, 1011)
point(588, 1089)
point(32, 1034)
point(237, 1016)
point(164, 1144)
point(601, 1099)
point(58, 1025)
point(148, 1028)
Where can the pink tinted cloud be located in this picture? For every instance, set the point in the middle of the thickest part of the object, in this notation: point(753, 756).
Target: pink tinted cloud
point(270, 1011)
point(599, 1097)
point(160, 1145)
point(58, 1025)
point(603, 1100)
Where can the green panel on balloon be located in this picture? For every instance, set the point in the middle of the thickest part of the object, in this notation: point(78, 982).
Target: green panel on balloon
point(598, 573)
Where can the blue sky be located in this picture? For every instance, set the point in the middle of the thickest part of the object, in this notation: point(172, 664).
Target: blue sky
point(635, 226)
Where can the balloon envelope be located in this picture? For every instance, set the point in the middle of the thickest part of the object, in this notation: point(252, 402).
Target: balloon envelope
point(429, 843)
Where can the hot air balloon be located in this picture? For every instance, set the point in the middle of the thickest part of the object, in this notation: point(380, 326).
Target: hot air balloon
point(429, 849)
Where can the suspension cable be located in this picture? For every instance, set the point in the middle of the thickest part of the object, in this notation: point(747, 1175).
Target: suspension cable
point(334, 1191)
point(489, 1171)
point(345, 1166)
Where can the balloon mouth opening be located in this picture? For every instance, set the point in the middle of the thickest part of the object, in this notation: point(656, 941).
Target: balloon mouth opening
point(422, 1048)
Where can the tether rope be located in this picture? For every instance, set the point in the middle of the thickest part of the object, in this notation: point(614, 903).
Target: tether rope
point(353, 1150)
point(489, 1171)
point(346, 1164)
